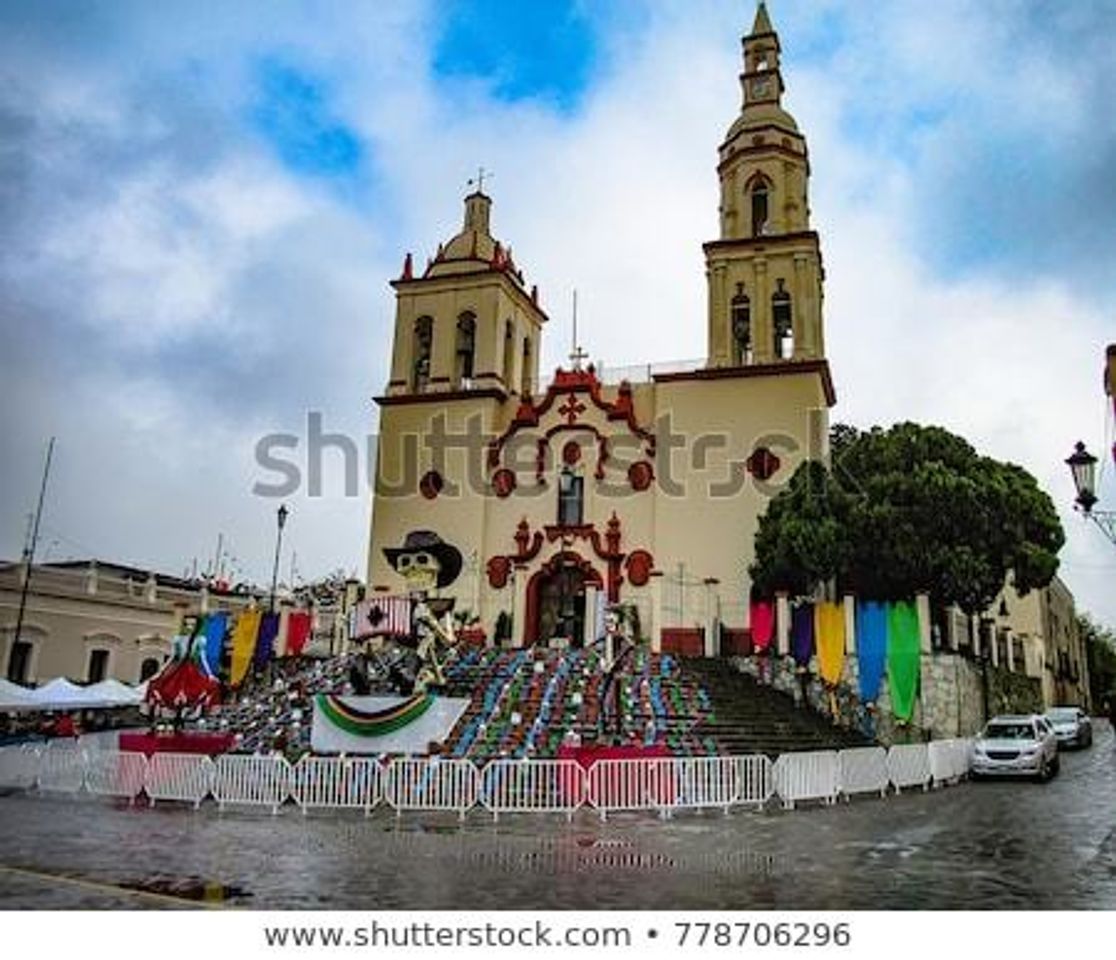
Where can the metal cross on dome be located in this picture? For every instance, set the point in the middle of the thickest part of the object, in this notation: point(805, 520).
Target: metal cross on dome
point(478, 182)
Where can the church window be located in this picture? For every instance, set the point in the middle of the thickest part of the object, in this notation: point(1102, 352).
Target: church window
point(466, 346)
point(571, 499)
point(759, 207)
point(782, 323)
point(509, 354)
point(424, 338)
point(525, 374)
point(741, 326)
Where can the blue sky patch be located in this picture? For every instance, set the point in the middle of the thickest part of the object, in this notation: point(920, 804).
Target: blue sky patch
point(539, 50)
point(292, 112)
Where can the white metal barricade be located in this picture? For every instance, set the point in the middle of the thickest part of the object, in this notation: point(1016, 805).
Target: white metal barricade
point(62, 768)
point(862, 770)
point(963, 756)
point(178, 776)
point(19, 767)
point(942, 756)
point(349, 783)
point(614, 785)
point(908, 765)
point(532, 786)
point(694, 782)
point(754, 777)
point(434, 784)
point(806, 776)
point(115, 773)
point(251, 781)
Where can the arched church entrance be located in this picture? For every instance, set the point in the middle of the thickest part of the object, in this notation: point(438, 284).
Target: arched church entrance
point(556, 599)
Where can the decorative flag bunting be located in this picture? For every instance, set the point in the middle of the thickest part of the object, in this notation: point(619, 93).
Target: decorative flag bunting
point(215, 626)
point(871, 648)
point(802, 633)
point(762, 621)
point(298, 632)
point(831, 641)
point(243, 645)
point(265, 642)
point(373, 724)
point(903, 653)
point(382, 617)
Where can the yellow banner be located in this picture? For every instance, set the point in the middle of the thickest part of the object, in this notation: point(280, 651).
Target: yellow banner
point(829, 624)
point(243, 645)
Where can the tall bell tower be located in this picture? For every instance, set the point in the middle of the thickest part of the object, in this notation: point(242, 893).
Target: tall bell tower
point(765, 272)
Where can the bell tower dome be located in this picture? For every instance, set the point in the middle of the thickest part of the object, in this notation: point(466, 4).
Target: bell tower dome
point(765, 271)
point(468, 322)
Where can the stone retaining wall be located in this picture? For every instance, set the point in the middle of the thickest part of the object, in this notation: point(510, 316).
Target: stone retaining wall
point(950, 701)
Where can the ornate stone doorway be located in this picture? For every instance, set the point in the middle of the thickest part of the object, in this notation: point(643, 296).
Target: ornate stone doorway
point(556, 599)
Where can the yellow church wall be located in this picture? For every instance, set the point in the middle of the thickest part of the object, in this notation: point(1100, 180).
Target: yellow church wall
point(712, 534)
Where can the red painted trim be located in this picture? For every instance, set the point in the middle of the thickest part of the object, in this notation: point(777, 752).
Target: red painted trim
point(736, 642)
point(785, 368)
point(684, 641)
point(567, 384)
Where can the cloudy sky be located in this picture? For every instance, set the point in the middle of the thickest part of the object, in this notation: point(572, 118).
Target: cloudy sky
point(201, 205)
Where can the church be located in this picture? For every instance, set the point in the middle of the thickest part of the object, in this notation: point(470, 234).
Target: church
point(531, 501)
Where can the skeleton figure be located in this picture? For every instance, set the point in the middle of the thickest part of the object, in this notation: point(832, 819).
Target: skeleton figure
point(426, 563)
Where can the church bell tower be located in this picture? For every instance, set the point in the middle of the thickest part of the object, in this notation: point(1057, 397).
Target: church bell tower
point(765, 272)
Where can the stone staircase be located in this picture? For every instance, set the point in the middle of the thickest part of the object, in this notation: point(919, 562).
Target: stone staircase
point(749, 717)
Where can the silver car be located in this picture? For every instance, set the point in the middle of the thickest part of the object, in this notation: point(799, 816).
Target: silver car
point(1072, 726)
point(1023, 745)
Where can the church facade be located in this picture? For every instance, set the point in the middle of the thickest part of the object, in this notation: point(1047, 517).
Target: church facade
point(548, 494)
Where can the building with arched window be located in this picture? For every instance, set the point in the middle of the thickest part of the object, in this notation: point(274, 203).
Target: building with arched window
point(645, 487)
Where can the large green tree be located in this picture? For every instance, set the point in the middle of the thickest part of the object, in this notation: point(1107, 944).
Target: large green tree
point(1100, 650)
point(907, 509)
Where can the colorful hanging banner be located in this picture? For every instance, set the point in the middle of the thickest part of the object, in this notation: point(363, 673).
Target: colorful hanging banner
point(830, 628)
point(215, 626)
point(761, 618)
point(903, 655)
point(298, 632)
point(802, 633)
point(243, 645)
point(265, 642)
point(871, 648)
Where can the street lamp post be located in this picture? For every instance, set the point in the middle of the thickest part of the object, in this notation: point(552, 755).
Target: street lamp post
point(281, 520)
point(1083, 466)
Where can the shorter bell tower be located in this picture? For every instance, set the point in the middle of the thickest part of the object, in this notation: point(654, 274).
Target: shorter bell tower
point(765, 272)
point(467, 322)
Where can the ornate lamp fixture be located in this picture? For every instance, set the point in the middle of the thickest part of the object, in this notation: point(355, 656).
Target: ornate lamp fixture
point(1083, 466)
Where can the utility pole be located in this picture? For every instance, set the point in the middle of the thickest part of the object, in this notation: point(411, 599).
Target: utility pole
point(29, 551)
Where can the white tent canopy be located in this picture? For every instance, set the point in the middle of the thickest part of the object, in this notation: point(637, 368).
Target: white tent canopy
point(61, 694)
point(15, 697)
point(113, 693)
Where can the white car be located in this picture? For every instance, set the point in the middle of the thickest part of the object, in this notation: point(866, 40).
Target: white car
point(1072, 726)
point(1023, 745)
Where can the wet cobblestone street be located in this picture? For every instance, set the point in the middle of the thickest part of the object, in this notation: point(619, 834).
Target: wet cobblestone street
point(975, 846)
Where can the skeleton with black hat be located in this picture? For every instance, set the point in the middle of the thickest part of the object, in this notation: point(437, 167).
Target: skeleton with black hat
point(427, 563)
